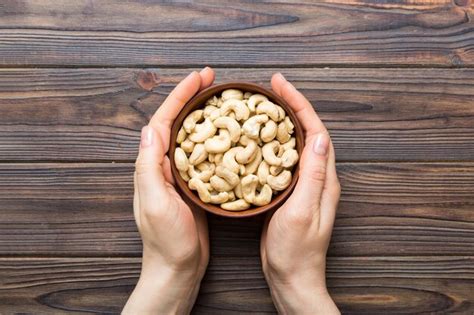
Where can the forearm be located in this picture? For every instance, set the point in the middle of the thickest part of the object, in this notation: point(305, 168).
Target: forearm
point(163, 291)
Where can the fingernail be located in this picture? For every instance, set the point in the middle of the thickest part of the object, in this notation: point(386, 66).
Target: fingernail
point(191, 74)
point(205, 68)
point(281, 76)
point(146, 137)
point(321, 144)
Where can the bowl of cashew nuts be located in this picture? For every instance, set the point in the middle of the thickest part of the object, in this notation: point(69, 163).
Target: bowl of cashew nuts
point(234, 150)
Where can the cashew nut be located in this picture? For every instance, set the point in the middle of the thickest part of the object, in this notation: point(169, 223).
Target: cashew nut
point(251, 127)
point(181, 159)
point(289, 158)
point(218, 144)
point(244, 140)
point(218, 158)
point(285, 129)
point(275, 170)
point(264, 197)
point(212, 112)
point(231, 125)
point(198, 155)
point(219, 184)
point(203, 131)
point(245, 156)
point(268, 152)
point(247, 95)
point(211, 157)
point(231, 178)
point(184, 175)
point(228, 161)
point(269, 131)
point(281, 113)
point(208, 110)
point(267, 107)
point(209, 187)
point(190, 121)
point(232, 94)
point(213, 101)
point(263, 172)
point(254, 100)
point(206, 170)
point(238, 190)
point(289, 145)
point(231, 195)
point(237, 205)
point(187, 145)
point(241, 110)
point(249, 185)
point(281, 181)
point(181, 135)
point(289, 124)
point(219, 198)
point(204, 194)
point(241, 169)
point(251, 167)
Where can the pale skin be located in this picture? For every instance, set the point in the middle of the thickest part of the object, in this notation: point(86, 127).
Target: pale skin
point(295, 237)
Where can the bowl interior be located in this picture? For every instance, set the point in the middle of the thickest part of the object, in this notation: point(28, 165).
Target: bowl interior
point(199, 101)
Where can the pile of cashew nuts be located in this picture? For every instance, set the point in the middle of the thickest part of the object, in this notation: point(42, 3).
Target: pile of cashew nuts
point(237, 151)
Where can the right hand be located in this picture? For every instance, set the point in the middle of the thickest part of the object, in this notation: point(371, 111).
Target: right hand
point(296, 237)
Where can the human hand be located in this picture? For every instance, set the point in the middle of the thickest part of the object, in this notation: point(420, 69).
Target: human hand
point(296, 237)
point(175, 237)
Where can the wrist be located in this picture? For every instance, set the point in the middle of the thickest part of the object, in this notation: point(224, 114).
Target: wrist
point(163, 290)
point(301, 295)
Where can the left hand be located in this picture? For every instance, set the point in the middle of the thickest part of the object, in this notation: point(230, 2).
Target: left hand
point(175, 237)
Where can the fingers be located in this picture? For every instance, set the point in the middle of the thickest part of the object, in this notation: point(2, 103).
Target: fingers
point(181, 94)
point(167, 170)
point(167, 112)
point(207, 77)
point(331, 193)
point(176, 100)
point(304, 203)
point(136, 201)
point(149, 170)
point(174, 103)
point(302, 107)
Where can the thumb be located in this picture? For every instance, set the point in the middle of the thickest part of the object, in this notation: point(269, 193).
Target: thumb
point(312, 176)
point(151, 182)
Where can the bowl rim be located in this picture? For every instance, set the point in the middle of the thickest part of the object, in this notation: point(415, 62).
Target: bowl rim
point(199, 101)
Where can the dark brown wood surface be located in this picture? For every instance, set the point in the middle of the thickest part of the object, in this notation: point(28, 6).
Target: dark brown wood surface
point(236, 33)
point(85, 209)
point(372, 114)
point(235, 285)
point(392, 80)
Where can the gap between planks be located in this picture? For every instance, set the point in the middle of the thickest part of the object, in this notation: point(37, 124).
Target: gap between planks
point(243, 66)
point(127, 162)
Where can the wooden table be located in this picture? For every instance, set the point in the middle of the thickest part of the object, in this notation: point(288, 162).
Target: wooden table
point(393, 82)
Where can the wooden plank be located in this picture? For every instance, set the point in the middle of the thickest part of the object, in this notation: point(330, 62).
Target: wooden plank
point(242, 33)
point(372, 114)
point(386, 209)
point(388, 285)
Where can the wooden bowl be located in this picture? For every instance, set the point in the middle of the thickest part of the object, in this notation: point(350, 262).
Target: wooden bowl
point(198, 101)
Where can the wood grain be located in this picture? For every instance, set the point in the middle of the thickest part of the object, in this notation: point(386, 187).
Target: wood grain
point(372, 114)
point(242, 33)
point(364, 285)
point(386, 209)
